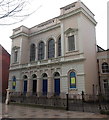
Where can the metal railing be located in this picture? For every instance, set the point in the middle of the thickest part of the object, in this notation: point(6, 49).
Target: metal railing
point(75, 102)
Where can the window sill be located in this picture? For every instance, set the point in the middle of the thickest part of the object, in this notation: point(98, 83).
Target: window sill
point(74, 89)
point(15, 63)
point(72, 51)
point(105, 73)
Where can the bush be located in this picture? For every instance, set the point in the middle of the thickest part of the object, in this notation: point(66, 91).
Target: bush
point(107, 112)
point(104, 112)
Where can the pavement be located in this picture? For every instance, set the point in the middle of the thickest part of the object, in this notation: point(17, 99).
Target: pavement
point(16, 111)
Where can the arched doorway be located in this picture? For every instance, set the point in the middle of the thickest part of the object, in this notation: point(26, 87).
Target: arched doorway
point(25, 84)
point(44, 84)
point(56, 83)
point(34, 78)
point(13, 82)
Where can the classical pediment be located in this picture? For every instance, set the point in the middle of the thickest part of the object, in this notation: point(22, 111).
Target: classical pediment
point(70, 30)
point(15, 47)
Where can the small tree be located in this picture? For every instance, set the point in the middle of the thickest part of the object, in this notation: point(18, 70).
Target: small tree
point(14, 11)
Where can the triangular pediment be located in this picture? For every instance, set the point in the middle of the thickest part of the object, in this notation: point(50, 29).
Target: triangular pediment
point(15, 47)
point(70, 30)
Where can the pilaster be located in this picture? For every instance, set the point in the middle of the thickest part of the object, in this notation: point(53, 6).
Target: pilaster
point(39, 84)
point(50, 84)
point(62, 39)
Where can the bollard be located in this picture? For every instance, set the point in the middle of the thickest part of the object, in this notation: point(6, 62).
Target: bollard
point(7, 97)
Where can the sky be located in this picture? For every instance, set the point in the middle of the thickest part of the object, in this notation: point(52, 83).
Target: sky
point(48, 9)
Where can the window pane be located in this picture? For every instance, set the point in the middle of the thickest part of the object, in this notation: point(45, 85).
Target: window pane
point(105, 68)
point(71, 43)
point(106, 86)
point(72, 80)
point(51, 48)
point(41, 51)
point(15, 56)
point(59, 47)
point(14, 83)
point(32, 52)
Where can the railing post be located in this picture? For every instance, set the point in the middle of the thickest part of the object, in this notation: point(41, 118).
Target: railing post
point(99, 101)
point(83, 100)
point(67, 98)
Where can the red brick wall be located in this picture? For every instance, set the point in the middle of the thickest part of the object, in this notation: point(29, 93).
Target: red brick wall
point(5, 59)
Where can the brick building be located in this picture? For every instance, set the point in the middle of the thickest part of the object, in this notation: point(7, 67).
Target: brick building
point(4, 69)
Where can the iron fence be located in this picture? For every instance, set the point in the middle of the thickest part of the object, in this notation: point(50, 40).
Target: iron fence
point(75, 102)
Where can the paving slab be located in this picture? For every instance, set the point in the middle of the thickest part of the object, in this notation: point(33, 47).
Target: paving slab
point(16, 111)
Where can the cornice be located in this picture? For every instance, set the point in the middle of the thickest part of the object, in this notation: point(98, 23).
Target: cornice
point(45, 30)
point(35, 33)
point(77, 11)
point(61, 17)
point(19, 34)
point(44, 64)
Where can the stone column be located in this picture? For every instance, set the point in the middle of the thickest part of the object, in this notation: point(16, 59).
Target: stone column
point(39, 84)
point(39, 87)
point(36, 53)
point(29, 87)
point(21, 85)
point(45, 57)
point(50, 83)
point(62, 39)
point(56, 50)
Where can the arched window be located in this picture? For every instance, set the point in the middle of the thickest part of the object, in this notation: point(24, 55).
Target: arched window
point(59, 47)
point(44, 75)
point(14, 83)
point(34, 76)
point(105, 67)
point(44, 84)
point(34, 86)
point(41, 51)
point(56, 83)
point(72, 80)
point(32, 52)
point(51, 48)
point(56, 74)
point(25, 78)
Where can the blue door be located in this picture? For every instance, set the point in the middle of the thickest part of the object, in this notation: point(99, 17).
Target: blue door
point(25, 86)
point(44, 87)
point(34, 86)
point(57, 86)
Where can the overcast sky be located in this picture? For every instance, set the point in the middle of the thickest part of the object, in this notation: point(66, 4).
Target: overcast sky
point(51, 8)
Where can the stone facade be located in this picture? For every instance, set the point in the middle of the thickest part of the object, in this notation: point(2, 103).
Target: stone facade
point(73, 71)
point(103, 69)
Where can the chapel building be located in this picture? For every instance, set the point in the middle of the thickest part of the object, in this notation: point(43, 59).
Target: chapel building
point(57, 56)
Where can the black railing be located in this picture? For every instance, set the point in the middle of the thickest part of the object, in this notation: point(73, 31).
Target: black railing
point(76, 102)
